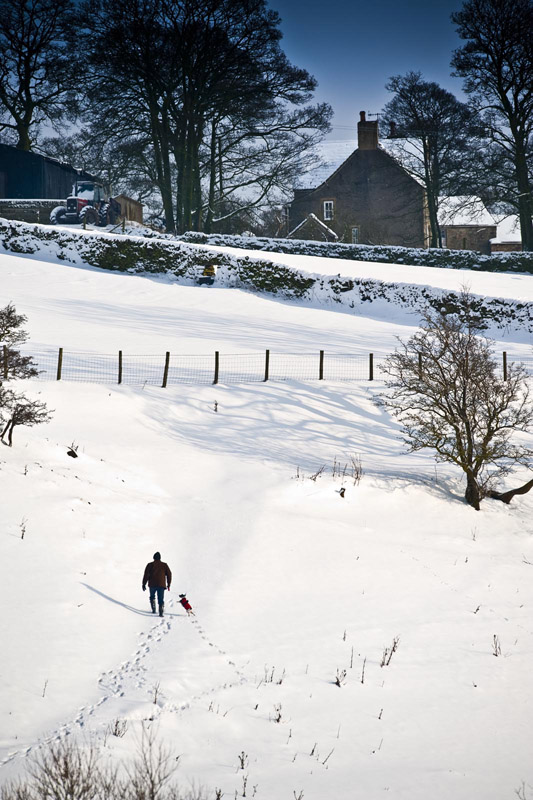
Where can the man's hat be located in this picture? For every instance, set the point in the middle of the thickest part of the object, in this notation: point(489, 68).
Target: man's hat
point(157, 556)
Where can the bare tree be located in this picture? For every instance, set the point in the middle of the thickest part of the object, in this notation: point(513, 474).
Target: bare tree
point(22, 411)
point(211, 109)
point(434, 136)
point(444, 388)
point(12, 334)
point(67, 771)
point(36, 69)
point(11, 323)
point(497, 66)
point(16, 408)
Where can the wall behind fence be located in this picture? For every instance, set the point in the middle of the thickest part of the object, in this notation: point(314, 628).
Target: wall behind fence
point(167, 369)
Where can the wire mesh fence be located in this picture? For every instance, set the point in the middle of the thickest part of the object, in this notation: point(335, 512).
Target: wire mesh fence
point(167, 369)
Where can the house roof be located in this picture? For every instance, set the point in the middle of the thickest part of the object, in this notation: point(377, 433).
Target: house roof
point(508, 230)
point(408, 153)
point(313, 218)
point(128, 198)
point(331, 155)
point(463, 210)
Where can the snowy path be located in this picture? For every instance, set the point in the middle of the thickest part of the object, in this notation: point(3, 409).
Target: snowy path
point(128, 688)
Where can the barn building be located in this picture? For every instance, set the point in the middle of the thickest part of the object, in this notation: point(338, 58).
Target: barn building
point(31, 185)
point(28, 176)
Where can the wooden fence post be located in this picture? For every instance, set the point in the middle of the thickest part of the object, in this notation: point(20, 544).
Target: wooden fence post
point(165, 371)
point(217, 365)
point(371, 366)
point(5, 362)
point(59, 363)
point(267, 363)
point(120, 366)
point(505, 365)
point(321, 366)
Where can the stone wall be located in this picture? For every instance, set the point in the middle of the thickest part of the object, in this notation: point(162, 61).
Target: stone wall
point(506, 247)
point(470, 237)
point(29, 210)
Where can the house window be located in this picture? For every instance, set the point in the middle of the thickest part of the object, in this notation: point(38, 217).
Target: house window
point(329, 209)
point(355, 235)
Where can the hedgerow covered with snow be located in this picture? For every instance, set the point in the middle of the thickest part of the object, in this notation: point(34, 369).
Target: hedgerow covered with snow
point(184, 261)
point(385, 254)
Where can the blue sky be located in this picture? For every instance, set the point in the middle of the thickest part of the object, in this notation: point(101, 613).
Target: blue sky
point(352, 48)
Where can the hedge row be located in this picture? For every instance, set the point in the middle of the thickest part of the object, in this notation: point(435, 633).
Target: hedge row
point(185, 262)
point(444, 259)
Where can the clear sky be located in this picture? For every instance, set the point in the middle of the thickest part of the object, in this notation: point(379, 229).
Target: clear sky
point(352, 47)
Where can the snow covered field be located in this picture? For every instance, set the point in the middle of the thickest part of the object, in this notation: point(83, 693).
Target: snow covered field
point(292, 585)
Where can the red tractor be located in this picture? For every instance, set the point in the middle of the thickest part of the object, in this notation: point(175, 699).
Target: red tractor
point(87, 204)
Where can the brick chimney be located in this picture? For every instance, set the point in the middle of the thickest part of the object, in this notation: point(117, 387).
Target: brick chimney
point(367, 134)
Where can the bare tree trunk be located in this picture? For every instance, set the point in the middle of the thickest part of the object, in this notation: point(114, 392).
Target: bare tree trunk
point(188, 178)
point(162, 165)
point(433, 224)
point(4, 431)
point(9, 431)
point(525, 203)
point(196, 179)
point(431, 199)
point(472, 494)
point(506, 497)
point(212, 179)
point(179, 155)
point(24, 141)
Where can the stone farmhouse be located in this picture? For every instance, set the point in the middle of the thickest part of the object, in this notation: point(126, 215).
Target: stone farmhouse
point(366, 196)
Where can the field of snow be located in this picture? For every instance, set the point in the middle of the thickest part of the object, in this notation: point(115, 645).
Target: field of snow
point(292, 584)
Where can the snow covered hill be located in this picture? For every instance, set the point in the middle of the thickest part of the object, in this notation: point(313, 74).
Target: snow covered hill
point(295, 588)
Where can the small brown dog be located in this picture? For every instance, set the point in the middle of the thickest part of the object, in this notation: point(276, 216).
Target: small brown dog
point(186, 605)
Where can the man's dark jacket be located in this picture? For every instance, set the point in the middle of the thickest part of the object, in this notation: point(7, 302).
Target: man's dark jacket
point(157, 575)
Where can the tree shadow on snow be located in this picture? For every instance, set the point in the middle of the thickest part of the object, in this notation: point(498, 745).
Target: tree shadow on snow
point(302, 425)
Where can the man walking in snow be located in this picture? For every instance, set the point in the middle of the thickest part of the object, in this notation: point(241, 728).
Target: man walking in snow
point(158, 576)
